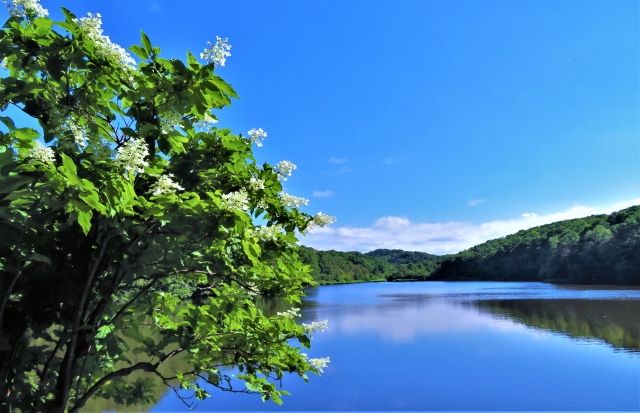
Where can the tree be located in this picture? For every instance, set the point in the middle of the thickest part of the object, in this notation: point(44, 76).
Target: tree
point(128, 225)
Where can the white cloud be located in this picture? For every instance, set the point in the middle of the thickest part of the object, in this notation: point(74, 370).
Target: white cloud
point(475, 202)
point(337, 160)
point(322, 194)
point(440, 237)
point(390, 161)
point(339, 171)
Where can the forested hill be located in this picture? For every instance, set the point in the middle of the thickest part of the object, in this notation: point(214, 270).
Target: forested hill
point(600, 249)
point(330, 267)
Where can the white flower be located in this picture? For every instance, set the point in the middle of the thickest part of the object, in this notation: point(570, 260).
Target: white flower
point(131, 155)
point(290, 313)
point(92, 28)
point(320, 220)
point(320, 363)
point(218, 53)
point(316, 326)
point(42, 153)
point(169, 122)
point(262, 203)
point(267, 233)
point(256, 134)
point(284, 168)
point(166, 186)
point(256, 184)
point(207, 123)
point(237, 200)
point(251, 289)
point(20, 8)
point(292, 201)
point(78, 133)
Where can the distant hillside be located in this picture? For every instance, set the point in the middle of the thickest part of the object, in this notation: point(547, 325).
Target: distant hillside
point(331, 267)
point(600, 249)
point(409, 265)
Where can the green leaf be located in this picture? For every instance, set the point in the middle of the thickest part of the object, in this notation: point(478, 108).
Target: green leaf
point(26, 134)
point(192, 61)
point(104, 331)
point(8, 122)
point(146, 42)
point(41, 258)
point(139, 51)
point(134, 334)
point(70, 17)
point(92, 199)
point(84, 219)
point(69, 170)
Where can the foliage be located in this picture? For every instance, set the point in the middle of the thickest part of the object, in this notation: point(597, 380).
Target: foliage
point(409, 265)
point(600, 249)
point(130, 231)
point(330, 267)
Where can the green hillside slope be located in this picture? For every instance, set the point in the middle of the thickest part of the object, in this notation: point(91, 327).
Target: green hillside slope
point(600, 249)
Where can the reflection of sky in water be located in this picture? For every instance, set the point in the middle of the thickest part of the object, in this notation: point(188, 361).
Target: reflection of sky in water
point(429, 346)
point(400, 311)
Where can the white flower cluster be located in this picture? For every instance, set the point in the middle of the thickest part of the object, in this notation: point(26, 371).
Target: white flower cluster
point(292, 201)
point(320, 220)
point(92, 28)
point(217, 53)
point(320, 363)
point(290, 313)
point(207, 123)
point(256, 134)
point(78, 133)
point(166, 186)
point(131, 155)
point(21, 8)
point(316, 326)
point(284, 169)
point(237, 199)
point(262, 203)
point(42, 153)
point(3, 64)
point(256, 184)
point(252, 289)
point(267, 233)
point(169, 121)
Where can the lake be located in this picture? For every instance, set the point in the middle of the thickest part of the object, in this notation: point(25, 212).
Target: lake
point(460, 346)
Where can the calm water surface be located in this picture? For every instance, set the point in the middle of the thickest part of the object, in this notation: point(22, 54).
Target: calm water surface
point(482, 346)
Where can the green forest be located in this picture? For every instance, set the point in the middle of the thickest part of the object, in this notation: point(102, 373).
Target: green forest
point(599, 249)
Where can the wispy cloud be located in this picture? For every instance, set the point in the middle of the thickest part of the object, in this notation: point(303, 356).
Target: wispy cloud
point(339, 171)
point(322, 194)
point(440, 237)
point(475, 202)
point(390, 161)
point(154, 5)
point(337, 160)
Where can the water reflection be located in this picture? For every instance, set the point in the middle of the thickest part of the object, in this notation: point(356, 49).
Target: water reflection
point(405, 321)
point(616, 322)
point(461, 346)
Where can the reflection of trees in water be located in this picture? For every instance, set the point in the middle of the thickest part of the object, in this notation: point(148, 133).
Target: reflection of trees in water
point(156, 388)
point(616, 322)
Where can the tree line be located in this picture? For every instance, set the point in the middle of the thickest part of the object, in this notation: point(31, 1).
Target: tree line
point(599, 249)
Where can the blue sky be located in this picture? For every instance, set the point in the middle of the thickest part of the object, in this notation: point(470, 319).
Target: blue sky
point(423, 125)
